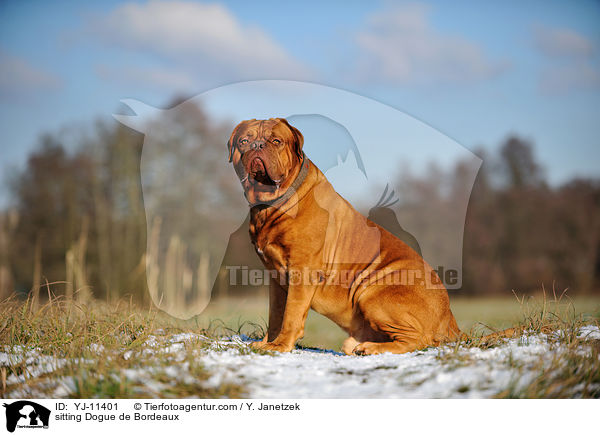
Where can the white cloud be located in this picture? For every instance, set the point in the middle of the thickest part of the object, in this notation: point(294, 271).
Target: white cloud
point(572, 62)
point(162, 78)
point(204, 38)
point(562, 42)
point(400, 45)
point(18, 77)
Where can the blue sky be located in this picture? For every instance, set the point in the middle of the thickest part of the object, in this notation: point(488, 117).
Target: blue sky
point(476, 71)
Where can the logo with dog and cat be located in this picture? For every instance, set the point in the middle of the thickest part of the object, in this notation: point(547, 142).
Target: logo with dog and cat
point(25, 414)
point(390, 166)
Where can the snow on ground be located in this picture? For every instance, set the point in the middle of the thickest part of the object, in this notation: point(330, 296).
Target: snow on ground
point(431, 373)
point(444, 372)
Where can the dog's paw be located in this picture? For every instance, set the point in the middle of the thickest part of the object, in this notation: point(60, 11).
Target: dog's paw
point(258, 344)
point(349, 345)
point(271, 346)
point(367, 348)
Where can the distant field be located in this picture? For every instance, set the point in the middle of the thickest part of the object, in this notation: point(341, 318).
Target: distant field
point(497, 312)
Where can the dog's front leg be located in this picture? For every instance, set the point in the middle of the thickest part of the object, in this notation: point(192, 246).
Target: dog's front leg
point(296, 309)
point(277, 296)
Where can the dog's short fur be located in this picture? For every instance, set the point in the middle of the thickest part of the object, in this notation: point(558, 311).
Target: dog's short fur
point(307, 228)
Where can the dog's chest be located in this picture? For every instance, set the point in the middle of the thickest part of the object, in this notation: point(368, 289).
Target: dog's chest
point(261, 237)
point(257, 222)
point(265, 240)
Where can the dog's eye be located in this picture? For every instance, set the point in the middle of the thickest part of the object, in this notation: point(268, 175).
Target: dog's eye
point(276, 141)
point(244, 141)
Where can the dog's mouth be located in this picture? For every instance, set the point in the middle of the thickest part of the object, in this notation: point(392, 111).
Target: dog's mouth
point(258, 172)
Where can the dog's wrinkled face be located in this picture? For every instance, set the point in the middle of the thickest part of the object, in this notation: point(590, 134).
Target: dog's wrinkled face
point(266, 155)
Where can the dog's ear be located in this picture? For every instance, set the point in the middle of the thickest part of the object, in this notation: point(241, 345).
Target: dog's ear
point(299, 139)
point(230, 144)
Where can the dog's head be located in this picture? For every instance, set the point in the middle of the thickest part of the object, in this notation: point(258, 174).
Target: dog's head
point(266, 155)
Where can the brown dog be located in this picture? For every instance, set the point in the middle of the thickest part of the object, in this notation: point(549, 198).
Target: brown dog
point(328, 257)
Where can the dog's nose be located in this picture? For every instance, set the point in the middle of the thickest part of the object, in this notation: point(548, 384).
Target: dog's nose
point(258, 145)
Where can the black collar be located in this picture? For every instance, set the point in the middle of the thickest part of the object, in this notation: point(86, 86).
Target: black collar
point(292, 189)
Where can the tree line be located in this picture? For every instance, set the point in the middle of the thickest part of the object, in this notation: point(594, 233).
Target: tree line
point(76, 223)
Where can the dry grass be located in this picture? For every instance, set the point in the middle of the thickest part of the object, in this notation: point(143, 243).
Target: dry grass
point(572, 366)
point(103, 350)
point(95, 344)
